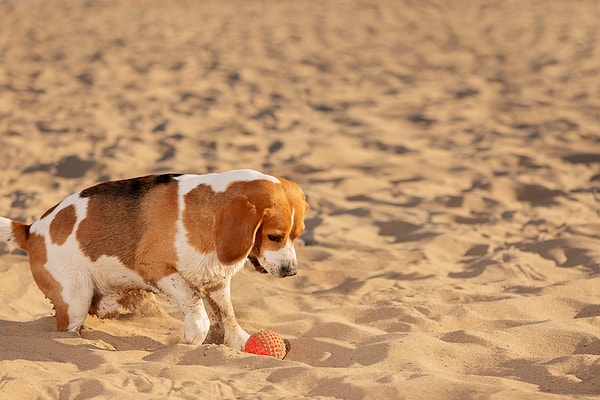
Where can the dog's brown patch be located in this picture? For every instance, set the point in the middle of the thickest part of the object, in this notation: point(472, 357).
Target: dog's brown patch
point(156, 256)
point(198, 217)
point(45, 281)
point(133, 220)
point(21, 233)
point(62, 225)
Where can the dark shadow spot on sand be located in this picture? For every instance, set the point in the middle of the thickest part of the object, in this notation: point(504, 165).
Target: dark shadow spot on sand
point(451, 201)
point(187, 95)
point(407, 180)
point(563, 252)
point(177, 66)
point(357, 212)
point(348, 286)
point(324, 108)
point(268, 112)
point(19, 338)
point(521, 289)
point(479, 184)
point(309, 232)
point(473, 269)
point(334, 181)
point(37, 168)
point(537, 373)
point(86, 78)
point(21, 199)
point(537, 194)
point(352, 122)
point(592, 348)
point(582, 158)
point(305, 169)
point(560, 125)
point(378, 145)
point(530, 163)
point(317, 62)
point(47, 127)
point(275, 146)
point(73, 167)
point(402, 231)
point(399, 276)
point(421, 119)
point(233, 78)
point(508, 215)
point(467, 92)
point(411, 202)
point(167, 149)
point(471, 220)
point(591, 310)
point(477, 250)
point(161, 127)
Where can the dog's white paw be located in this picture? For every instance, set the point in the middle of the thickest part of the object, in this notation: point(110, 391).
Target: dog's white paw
point(236, 338)
point(196, 328)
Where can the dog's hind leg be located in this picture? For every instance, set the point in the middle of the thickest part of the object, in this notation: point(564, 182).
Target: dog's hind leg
point(105, 305)
point(73, 303)
point(71, 293)
point(71, 299)
point(79, 299)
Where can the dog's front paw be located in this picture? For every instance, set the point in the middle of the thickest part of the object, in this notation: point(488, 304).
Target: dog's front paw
point(236, 338)
point(196, 328)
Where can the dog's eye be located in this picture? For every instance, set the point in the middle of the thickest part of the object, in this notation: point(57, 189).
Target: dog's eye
point(275, 238)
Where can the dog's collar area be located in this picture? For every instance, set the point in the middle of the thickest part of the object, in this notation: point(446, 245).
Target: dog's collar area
point(257, 265)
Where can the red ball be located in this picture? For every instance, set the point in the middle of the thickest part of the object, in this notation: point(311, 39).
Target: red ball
point(266, 343)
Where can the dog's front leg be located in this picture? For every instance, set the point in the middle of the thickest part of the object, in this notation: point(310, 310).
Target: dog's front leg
point(196, 319)
point(219, 296)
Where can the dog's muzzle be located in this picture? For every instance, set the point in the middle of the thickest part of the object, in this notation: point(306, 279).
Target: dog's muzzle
point(287, 269)
point(257, 265)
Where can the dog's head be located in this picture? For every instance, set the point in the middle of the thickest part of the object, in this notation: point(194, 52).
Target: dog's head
point(261, 223)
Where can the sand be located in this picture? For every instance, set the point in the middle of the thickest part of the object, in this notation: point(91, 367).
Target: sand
point(450, 152)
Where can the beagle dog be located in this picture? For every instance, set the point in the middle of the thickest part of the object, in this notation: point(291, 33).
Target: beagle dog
point(183, 236)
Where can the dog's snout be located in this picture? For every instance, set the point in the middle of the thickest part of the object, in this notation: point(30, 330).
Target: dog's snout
point(287, 270)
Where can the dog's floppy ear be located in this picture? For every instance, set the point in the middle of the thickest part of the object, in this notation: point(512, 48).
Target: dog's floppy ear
point(235, 227)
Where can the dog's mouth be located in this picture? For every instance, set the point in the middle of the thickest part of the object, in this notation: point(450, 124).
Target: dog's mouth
point(257, 265)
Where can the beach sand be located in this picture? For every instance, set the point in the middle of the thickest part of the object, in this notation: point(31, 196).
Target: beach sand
point(450, 153)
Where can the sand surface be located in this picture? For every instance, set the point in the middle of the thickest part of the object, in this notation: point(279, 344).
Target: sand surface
point(450, 152)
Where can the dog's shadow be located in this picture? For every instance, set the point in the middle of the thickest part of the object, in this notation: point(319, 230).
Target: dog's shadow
point(150, 327)
point(39, 341)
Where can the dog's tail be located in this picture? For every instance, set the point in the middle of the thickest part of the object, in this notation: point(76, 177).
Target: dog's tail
point(14, 231)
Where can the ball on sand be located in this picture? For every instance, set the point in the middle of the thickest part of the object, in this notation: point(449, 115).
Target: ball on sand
point(266, 343)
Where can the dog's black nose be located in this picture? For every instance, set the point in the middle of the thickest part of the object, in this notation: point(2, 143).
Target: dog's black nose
point(287, 270)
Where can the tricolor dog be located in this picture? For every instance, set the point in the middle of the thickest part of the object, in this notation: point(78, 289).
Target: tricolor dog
point(183, 236)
